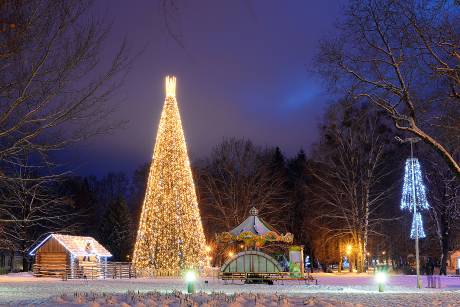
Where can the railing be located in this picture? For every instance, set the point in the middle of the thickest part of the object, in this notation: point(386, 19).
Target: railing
point(109, 270)
point(119, 270)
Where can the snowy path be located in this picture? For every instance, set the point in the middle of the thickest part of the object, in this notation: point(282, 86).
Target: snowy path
point(332, 289)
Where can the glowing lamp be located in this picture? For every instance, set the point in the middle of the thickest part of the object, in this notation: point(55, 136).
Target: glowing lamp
point(349, 248)
point(381, 279)
point(190, 278)
point(230, 254)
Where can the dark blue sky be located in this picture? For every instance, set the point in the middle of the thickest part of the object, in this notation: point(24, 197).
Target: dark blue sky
point(243, 71)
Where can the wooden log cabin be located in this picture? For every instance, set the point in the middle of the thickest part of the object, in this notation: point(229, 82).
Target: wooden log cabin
point(70, 257)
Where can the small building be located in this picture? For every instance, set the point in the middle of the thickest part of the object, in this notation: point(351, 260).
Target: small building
point(10, 261)
point(454, 261)
point(68, 256)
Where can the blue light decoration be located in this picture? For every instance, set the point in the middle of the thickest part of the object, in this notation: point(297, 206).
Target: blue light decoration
point(419, 223)
point(414, 196)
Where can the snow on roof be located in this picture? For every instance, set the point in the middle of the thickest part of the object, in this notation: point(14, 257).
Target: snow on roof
point(77, 245)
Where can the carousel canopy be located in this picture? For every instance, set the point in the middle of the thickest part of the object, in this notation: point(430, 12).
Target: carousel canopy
point(254, 230)
point(253, 224)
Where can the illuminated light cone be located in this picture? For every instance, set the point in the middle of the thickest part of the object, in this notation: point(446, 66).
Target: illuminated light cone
point(170, 238)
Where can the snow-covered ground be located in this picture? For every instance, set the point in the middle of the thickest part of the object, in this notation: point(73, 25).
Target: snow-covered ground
point(332, 289)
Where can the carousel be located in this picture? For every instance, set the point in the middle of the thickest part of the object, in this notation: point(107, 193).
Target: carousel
point(254, 264)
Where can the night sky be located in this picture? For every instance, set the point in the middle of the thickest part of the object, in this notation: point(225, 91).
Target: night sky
point(243, 71)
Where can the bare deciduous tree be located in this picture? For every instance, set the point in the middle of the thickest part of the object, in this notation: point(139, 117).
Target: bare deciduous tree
point(31, 208)
point(54, 90)
point(236, 178)
point(444, 197)
point(54, 84)
point(347, 189)
point(403, 56)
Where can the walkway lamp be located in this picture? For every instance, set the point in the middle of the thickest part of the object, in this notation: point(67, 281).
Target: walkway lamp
point(381, 279)
point(190, 279)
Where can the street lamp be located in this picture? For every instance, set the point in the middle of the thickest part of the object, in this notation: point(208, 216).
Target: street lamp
point(368, 260)
point(349, 248)
point(348, 251)
point(208, 258)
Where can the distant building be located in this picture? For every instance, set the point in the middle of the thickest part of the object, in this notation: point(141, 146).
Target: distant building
point(454, 261)
point(10, 261)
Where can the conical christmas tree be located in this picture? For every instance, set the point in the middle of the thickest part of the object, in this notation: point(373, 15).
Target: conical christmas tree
point(170, 237)
point(414, 196)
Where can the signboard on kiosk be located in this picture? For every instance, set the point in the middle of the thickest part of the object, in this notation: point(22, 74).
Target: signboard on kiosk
point(296, 264)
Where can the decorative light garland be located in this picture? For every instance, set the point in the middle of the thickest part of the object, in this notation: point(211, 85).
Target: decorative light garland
point(414, 195)
point(419, 223)
point(170, 237)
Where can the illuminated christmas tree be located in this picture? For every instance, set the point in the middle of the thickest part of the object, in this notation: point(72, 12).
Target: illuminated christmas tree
point(414, 196)
point(170, 237)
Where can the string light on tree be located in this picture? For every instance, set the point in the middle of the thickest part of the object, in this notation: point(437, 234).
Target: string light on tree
point(419, 223)
point(170, 237)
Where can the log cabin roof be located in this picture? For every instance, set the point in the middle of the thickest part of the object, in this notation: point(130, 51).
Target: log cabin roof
point(76, 245)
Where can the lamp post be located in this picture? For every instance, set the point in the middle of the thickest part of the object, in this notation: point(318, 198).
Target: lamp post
point(368, 261)
point(208, 258)
point(417, 257)
point(349, 249)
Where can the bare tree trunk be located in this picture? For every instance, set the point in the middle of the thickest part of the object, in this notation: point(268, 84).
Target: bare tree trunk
point(360, 258)
point(445, 240)
point(339, 269)
point(348, 181)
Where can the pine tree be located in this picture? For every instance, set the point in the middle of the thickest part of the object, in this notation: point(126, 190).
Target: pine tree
point(115, 231)
point(170, 237)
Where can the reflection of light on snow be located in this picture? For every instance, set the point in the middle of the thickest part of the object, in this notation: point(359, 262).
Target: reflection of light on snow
point(349, 288)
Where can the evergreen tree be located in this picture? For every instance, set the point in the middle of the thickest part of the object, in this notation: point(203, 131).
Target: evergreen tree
point(115, 231)
point(297, 180)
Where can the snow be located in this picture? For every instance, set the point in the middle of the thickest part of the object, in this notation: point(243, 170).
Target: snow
point(333, 289)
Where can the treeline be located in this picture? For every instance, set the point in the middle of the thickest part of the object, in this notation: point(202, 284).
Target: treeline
point(347, 190)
